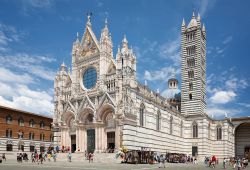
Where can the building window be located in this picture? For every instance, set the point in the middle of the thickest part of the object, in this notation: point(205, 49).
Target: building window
point(31, 136)
point(219, 133)
point(42, 124)
point(142, 109)
point(51, 138)
point(190, 86)
point(190, 96)
point(191, 74)
point(158, 120)
point(195, 130)
point(181, 129)
point(8, 133)
point(171, 125)
point(32, 123)
point(208, 131)
point(42, 137)
point(32, 148)
point(9, 147)
point(8, 119)
point(20, 134)
point(191, 62)
point(20, 121)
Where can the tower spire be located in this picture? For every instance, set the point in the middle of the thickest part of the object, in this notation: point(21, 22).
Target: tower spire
point(183, 22)
point(89, 19)
point(193, 16)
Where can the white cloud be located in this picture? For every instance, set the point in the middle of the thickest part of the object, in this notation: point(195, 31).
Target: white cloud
point(38, 3)
point(227, 40)
point(16, 93)
point(204, 6)
point(163, 74)
point(11, 77)
point(171, 50)
point(32, 64)
point(222, 97)
point(220, 112)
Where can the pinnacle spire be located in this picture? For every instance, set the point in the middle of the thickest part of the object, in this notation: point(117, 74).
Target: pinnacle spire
point(203, 27)
point(198, 17)
point(125, 39)
point(183, 22)
point(106, 22)
point(77, 37)
point(193, 16)
point(89, 19)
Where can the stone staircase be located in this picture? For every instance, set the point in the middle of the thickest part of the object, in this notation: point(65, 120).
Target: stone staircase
point(76, 157)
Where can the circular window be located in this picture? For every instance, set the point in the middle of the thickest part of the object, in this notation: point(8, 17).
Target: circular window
point(89, 78)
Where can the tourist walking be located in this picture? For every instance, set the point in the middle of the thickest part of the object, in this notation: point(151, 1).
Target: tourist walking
point(224, 163)
point(91, 157)
point(162, 161)
point(238, 163)
point(54, 156)
point(4, 157)
point(69, 156)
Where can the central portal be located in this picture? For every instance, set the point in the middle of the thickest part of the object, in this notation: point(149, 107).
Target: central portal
point(90, 140)
point(111, 141)
point(73, 143)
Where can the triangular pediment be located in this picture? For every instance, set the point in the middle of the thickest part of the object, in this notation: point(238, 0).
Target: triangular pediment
point(89, 44)
point(69, 107)
point(86, 103)
point(111, 68)
point(106, 99)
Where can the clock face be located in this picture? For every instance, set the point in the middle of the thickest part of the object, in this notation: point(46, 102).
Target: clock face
point(89, 78)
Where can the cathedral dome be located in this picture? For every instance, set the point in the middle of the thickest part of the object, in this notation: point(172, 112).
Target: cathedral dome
point(171, 93)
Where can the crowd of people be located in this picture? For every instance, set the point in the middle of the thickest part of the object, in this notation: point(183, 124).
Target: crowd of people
point(239, 163)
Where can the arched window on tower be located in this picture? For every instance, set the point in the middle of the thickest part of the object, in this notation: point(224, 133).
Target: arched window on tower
point(158, 120)
point(191, 74)
point(190, 86)
point(190, 96)
point(171, 125)
point(142, 109)
point(219, 132)
point(195, 130)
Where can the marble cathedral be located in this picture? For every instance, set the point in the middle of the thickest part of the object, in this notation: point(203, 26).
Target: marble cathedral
point(100, 105)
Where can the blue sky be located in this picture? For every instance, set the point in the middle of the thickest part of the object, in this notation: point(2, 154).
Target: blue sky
point(36, 37)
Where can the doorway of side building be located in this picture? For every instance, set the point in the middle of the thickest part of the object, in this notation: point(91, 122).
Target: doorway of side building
point(247, 152)
point(111, 141)
point(90, 140)
point(73, 143)
point(194, 150)
point(20, 146)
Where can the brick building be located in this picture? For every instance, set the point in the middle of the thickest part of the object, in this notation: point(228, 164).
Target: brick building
point(24, 131)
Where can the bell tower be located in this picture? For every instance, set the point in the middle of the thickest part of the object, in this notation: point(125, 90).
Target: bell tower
point(193, 67)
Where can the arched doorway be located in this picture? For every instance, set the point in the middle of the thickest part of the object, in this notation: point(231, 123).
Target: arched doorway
point(69, 132)
point(242, 140)
point(9, 145)
point(20, 146)
point(107, 118)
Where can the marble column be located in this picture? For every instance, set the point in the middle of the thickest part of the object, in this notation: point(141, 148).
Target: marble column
point(77, 139)
point(117, 137)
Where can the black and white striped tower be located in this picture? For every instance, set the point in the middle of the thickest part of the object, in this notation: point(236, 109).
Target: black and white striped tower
point(193, 67)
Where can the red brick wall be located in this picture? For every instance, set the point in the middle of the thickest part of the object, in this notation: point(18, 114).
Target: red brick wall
point(16, 114)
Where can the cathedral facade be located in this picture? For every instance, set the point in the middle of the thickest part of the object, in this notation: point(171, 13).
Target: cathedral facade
point(100, 105)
